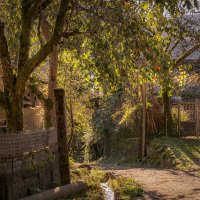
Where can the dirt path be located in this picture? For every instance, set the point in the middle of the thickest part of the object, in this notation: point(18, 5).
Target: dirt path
point(162, 184)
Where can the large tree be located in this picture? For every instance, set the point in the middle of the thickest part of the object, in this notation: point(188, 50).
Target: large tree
point(15, 79)
point(20, 55)
point(66, 20)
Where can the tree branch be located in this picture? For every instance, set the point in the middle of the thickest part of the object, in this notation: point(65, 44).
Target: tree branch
point(5, 60)
point(39, 32)
point(36, 59)
point(174, 46)
point(45, 29)
point(25, 36)
point(66, 35)
point(40, 4)
point(29, 11)
point(186, 54)
point(34, 89)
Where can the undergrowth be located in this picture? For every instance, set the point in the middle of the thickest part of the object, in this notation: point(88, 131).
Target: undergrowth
point(93, 178)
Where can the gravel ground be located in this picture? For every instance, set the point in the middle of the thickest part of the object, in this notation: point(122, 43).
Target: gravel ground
point(161, 184)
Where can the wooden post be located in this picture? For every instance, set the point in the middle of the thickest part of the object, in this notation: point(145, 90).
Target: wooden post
point(197, 117)
point(62, 136)
point(179, 118)
point(166, 125)
point(143, 118)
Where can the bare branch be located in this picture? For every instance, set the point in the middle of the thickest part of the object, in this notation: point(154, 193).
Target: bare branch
point(186, 54)
point(174, 46)
point(33, 87)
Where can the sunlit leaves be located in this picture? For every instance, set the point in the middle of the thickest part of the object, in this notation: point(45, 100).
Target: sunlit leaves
point(10, 15)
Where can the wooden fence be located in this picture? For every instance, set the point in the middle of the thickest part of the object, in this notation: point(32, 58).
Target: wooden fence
point(187, 116)
point(28, 160)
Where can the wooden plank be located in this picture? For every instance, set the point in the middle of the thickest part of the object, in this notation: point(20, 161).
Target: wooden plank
point(143, 118)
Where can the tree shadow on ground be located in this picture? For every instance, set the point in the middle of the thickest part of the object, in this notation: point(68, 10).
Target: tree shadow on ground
point(153, 195)
point(190, 148)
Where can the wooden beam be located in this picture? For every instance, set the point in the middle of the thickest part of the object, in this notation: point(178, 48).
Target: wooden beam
point(59, 95)
point(59, 192)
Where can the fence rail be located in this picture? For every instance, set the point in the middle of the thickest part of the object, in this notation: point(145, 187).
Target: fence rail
point(187, 112)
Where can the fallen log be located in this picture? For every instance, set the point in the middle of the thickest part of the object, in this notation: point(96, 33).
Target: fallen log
point(59, 192)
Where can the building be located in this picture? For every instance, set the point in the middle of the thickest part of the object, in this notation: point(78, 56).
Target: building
point(33, 111)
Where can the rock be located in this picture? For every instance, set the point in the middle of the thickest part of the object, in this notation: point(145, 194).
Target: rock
point(85, 166)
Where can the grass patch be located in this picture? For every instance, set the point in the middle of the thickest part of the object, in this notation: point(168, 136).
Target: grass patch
point(125, 188)
point(93, 178)
point(182, 153)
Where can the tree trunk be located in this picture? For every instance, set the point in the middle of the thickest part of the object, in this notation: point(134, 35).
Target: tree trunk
point(14, 114)
point(53, 82)
point(53, 62)
point(169, 126)
point(71, 126)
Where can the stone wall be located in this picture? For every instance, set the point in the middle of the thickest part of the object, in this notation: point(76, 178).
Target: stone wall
point(27, 161)
point(132, 148)
point(126, 150)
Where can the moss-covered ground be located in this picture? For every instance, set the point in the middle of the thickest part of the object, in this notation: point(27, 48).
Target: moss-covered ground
point(182, 153)
point(125, 188)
